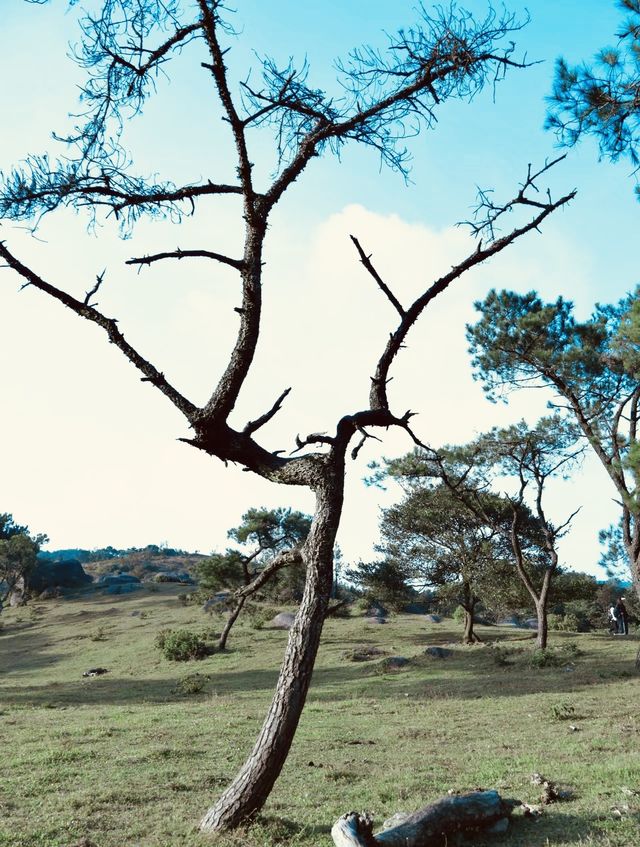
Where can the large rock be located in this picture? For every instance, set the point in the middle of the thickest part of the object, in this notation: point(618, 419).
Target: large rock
point(181, 577)
point(283, 620)
point(124, 588)
point(432, 618)
point(68, 573)
point(375, 620)
point(109, 579)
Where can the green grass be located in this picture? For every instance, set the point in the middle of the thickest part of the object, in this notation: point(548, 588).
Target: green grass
point(126, 759)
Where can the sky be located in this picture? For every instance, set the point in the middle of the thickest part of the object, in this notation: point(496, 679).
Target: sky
point(91, 455)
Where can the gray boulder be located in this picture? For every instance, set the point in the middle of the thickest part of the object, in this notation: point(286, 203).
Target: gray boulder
point(67, 573)
point(375, 620)
point(109, 579)
point(283, 620)
point(181, 577)
point(123, 588)
point(432, 618)
point(394, 663)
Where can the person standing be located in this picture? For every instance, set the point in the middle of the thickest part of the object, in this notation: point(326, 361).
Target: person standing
point(613, 619)
point(623, 618)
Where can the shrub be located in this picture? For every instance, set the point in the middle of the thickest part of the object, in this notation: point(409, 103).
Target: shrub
point(180, 645)
point(563, 711)
point(554, 658)
point(100, 634)
point(502, 655)
point(193, 683)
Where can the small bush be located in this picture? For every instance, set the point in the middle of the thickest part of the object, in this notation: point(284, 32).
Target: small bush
point(362, 654)
point(180, 645)
point(502, 655)
point(193, 683)
point(100, 634)
point(563, 711)
point(554, 657)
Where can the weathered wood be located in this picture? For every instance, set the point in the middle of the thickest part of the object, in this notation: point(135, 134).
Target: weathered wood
point(464, 812)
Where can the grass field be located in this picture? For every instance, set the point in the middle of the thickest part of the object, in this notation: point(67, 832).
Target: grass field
point(124, 760)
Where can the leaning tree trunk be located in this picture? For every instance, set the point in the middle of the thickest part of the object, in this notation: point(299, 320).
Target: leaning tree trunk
point(249, 791)
point(231, 619)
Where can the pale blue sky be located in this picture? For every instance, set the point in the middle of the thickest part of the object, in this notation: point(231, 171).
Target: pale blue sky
point(90, 454)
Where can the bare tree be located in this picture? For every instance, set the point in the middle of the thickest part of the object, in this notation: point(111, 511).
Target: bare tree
point(385, 96)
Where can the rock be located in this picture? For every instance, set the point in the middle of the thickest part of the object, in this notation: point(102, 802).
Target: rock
point(181, 577)
point(116, 579)
point(432, 618)
point(17, 598)
point(393, 662)
point(437, 652)
point(375, 620)
point(124, 588)
point(498, 828)
point(283, 620)
point(68, 573)
point(49, 593)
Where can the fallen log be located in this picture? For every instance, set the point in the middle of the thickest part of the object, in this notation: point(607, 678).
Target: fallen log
point(430, 826)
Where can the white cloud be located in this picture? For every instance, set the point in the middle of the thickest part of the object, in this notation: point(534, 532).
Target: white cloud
point(91, 455)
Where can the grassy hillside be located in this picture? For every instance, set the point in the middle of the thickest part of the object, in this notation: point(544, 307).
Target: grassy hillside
point(124, 760)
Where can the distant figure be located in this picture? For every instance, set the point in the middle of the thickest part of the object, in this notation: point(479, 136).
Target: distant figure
point(623, 619)
point(613, 620)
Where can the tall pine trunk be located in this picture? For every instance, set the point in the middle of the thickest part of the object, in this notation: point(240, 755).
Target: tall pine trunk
point(250, 789)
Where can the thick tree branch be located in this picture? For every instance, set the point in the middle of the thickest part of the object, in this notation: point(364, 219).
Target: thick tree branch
point(238, 264)
point(110, 326)
point(253, 426)
point(282, 560)
point(378, 395)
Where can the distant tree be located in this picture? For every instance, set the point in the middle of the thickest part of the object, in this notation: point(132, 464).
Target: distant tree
point(530, 457)
point(591, 366)
point(267, 532)
point(602, 99)
point(18, 555)
point(437, 541)
point(383, 582)
point(383, 96)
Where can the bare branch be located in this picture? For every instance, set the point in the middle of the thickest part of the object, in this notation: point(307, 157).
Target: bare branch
point(366, 261)
point(94, 290)
point(110, 326)
point(487, 212)
point(313, 438)
point(238, 264)
point(252, 426)
point(378, 394)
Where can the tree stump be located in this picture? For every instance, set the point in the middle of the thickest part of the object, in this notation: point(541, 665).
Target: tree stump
point(429, 826)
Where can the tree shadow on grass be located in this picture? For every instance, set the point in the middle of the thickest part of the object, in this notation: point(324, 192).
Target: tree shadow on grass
point(423, 679)
point(23, 647)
